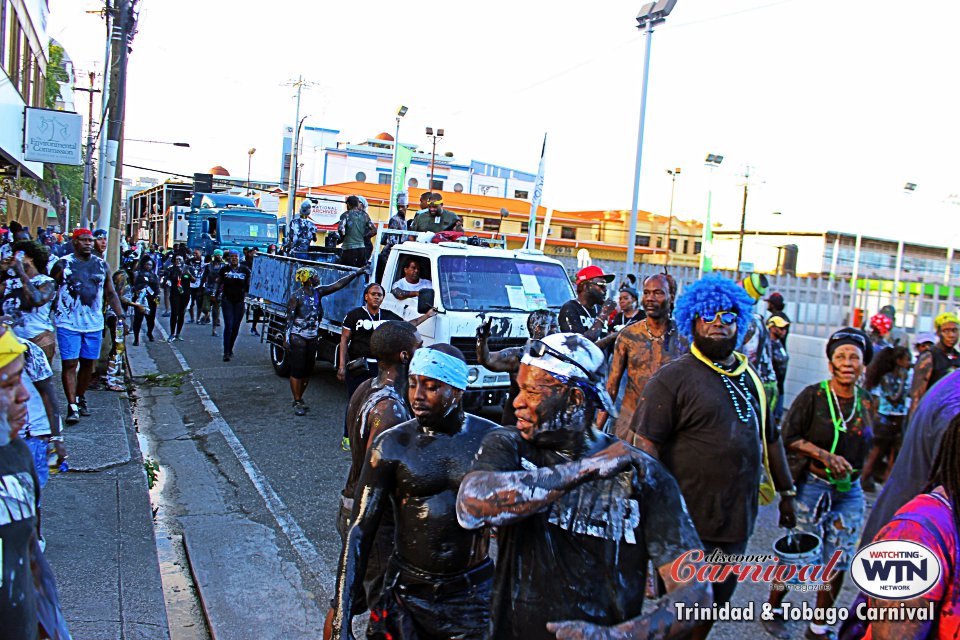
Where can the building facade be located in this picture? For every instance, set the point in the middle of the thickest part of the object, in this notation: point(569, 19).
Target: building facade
point(23, 66)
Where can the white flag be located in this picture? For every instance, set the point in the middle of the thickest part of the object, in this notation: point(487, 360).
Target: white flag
point(535, 203)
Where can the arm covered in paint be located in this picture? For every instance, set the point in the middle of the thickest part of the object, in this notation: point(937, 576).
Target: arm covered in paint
point(503, 361)
point(373, 490)
point(341, 283)
point(921, 380)
point(498, 491)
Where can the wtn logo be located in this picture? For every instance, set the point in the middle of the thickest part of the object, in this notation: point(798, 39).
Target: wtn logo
point(895, 569)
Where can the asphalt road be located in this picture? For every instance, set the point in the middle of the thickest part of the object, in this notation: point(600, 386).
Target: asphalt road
point(285, 472)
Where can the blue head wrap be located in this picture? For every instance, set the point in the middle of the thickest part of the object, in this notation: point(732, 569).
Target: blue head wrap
point(432, 363)
point(706, 297)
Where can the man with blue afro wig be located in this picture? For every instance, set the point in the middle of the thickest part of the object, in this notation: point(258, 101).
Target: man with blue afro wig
point(707, 297)
point(705, 416)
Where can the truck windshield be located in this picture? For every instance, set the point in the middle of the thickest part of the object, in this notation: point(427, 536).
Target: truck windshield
point(476, 283)
point(240, 228)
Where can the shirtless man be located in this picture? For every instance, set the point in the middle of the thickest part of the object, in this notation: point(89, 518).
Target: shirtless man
point(438, 580)
point(578, 512)
point(643, 347)
point(539, 324)
point(377, 405)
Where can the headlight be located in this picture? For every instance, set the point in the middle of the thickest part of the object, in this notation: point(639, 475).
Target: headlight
point(472, 374)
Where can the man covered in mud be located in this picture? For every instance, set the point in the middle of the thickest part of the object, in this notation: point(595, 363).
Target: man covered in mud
point(578, 512)
point(539, 324)
point(643, 347)
point(377, 405)
point(438, 580)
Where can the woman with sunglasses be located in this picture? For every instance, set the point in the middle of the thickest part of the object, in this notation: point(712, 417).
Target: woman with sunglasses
point(828, 432)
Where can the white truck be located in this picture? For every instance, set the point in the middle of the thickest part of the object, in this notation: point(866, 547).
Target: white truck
point(469, 284)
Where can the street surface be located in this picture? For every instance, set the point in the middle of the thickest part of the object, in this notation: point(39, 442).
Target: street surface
point(249, 492)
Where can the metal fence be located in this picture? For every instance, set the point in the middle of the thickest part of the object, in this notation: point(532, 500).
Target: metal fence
point(819, 305)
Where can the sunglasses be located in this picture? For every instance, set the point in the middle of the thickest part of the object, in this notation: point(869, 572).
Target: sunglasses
point(539, 348)
point(859, 339)
point(725, 317)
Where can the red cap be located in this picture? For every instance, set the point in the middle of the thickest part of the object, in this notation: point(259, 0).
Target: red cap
point(591, 272)
point(80, 232)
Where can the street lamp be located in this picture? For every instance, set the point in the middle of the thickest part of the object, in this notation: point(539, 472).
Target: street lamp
point(394, 178)
point(433, 155)
point(651, 14)
point(673, 186)
point(706, 241)
point(250, 153)
point(908, 189)
point(743, 215)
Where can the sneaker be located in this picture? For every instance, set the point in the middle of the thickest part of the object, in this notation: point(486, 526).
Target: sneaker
point(136, 343)
point(829, 634)
point(82, 405)
point(300, 409)
point(214, 334)
point(253, 331)
point(166, 314)
point(171, 338)
point(73, 414)
point(178, 338)
point(226, 357)
point(189, 321)
point(345, 443)
point(150, 338)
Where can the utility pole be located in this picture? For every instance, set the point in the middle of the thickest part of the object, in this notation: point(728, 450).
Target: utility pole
point(292, 174)
point(673, 187)
point(88, 160)
point(123, 31)
point(743, 216)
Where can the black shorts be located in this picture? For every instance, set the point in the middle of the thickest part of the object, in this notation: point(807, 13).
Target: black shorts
point(354, 257)
point(302, 356)
point(888, 431)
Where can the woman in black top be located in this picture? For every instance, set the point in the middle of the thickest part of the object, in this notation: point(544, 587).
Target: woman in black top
point(233, 281)
point(828, 432)
point(177, 279)
point(629, 302)
point(146, 292)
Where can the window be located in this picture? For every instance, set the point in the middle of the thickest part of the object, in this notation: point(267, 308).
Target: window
point(686, 246)
point(522, 195)
point(239, 228)
point(412, 183)
point(673, 244)
point(642, 241)
point(361, 176)
point(491, 224)
point(659, 243)
point(697, 247)
point(568, 233)
point(383, 178)
point(470, 283)
point(436, 185)
point(524, 227)
point(458, 188)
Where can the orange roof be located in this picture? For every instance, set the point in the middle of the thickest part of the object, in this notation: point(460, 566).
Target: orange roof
point(463, 202)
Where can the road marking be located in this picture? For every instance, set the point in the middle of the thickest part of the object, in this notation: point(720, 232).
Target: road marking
point(288, 524)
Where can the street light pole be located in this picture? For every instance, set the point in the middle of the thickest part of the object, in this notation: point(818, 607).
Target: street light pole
point(394, 186)
point(88, 159)
point(651, 14)
point(250, 152)
point(743, 216)
point(673, 186)
point(433, 155)
point(706, 240)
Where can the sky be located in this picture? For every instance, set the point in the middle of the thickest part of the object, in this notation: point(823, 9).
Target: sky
point(832, 106)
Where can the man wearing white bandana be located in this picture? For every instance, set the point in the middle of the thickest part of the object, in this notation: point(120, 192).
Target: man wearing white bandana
point(438, 581)
point(578, 512)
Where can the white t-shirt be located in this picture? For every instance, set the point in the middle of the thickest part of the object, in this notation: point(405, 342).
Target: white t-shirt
point(403, 285)
point(36, 368)
point(80, 298)
point(31, 323)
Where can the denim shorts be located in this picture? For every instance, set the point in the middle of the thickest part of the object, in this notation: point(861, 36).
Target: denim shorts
point(82, 344)
point(835, 516)
point(38, 449)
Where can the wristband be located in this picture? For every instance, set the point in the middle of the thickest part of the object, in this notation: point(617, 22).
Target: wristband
point(56, 439)
point(789, 493)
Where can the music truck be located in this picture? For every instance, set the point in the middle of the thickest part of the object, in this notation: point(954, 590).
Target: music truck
point(469, 284)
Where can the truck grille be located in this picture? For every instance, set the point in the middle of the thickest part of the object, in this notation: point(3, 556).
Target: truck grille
point(469, 346)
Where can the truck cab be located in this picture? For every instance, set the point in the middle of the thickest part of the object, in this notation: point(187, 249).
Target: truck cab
point(223, 221)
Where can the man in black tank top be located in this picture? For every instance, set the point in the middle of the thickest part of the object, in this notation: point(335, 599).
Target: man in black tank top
point(938, 361)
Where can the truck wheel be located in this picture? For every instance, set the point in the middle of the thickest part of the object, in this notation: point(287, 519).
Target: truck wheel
point(278, 358)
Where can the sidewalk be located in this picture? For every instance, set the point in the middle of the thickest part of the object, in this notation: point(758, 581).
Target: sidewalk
point(97, 523)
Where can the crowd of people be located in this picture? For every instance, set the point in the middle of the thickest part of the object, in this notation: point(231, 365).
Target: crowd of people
point(636, 431)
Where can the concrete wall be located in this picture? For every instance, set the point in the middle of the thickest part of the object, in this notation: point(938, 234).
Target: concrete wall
point(808, 364)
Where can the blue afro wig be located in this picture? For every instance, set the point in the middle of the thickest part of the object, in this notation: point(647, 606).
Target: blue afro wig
point(706, 297)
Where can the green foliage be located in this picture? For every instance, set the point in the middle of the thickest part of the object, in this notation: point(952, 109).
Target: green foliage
point(55, 75)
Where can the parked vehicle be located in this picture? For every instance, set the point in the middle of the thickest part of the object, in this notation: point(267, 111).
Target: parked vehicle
point(223, 221)
point(469, 284)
